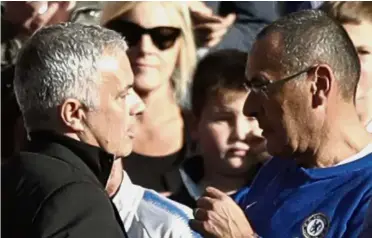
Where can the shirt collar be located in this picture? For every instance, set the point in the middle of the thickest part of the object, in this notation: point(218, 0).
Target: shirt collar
point(99, 161)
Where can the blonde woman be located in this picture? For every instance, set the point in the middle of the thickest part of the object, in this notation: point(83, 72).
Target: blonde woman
point(162, 55)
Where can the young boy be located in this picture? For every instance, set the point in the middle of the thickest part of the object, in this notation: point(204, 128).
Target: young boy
point(230, 143)
point(356, 18)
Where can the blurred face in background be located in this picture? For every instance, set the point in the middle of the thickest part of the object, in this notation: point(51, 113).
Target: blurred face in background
point(29, 16)
point(229, 141)
point(153, 54)
point(361, 35)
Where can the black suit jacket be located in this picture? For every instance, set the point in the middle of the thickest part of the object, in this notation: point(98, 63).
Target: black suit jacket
point(56, 189)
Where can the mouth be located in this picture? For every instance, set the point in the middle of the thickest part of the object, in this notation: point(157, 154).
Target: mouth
point(237, 152)
point(130, 134)
point(144, 65)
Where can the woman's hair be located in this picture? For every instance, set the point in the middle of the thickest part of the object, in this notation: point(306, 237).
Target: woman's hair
point(182, 75)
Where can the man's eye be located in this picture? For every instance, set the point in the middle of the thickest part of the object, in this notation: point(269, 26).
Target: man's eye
point(264, 88)
point(363, 52)
point(222, 117)
point(124, 95)
point(259, 83)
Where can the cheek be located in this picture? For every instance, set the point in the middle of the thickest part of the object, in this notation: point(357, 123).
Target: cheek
point(366, 72)
point(213, 139)
point(168, 62)
point(116, 119)
point(272, 116)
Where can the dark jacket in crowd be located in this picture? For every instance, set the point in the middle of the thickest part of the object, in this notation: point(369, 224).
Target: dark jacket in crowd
point(57, 189)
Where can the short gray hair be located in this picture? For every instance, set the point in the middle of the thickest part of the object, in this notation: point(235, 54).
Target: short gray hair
point(60, 62)
point(311, 37)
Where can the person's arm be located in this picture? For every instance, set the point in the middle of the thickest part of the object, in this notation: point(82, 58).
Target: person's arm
point(77, 210)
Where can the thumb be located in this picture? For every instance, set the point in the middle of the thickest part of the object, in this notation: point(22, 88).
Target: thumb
point(214, 192)
point(229, 19)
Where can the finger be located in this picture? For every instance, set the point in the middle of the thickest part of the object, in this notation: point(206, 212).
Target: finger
point(210, 39)
point(212, 42)
point(210, 27)
point(214, 193)
point(200, 214)
point(201, 11)
point(217, 34)
point(207, 33)
point(200, 17)
point(197, 6)
point(200, 227)
point(229, 19)
point(42, 20)
point(68, 5)
point(205, 203)
point(52, 10)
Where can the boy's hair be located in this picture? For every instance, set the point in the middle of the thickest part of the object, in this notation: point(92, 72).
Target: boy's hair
point(353, 12)
point(217, 73)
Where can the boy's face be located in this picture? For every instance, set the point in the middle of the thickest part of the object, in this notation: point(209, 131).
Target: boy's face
point(229, 141)
point(361, 35)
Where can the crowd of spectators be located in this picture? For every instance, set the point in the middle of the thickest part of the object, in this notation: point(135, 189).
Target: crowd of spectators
point(186, 119)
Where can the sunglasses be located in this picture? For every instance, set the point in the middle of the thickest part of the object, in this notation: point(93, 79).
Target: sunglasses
point(163, 37)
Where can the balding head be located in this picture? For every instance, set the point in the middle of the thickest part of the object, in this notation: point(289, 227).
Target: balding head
point(303, 71)
point(310, 37)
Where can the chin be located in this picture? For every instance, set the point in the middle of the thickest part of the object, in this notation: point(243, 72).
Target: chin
point(146, 82)
point(280, 150)
point(236, 162)
point(125, 151)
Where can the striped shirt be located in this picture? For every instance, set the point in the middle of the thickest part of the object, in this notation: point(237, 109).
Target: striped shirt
point(148, 214)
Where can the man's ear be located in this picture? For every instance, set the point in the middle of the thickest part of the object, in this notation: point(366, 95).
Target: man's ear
point(72, 114)
point(322, 83)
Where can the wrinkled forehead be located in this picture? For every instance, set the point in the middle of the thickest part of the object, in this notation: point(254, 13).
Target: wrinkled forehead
point(265, 56)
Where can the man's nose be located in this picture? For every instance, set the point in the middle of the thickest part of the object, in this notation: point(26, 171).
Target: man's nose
point(138, 106)
point(251, 106)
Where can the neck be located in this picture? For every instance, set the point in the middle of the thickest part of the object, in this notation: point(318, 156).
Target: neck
point(340, 138)
point(228, 184)
point(115, 178)
point(160, 104)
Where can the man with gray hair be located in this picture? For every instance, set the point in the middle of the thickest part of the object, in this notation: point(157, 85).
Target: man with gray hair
point(303, 71)
point(73, 84)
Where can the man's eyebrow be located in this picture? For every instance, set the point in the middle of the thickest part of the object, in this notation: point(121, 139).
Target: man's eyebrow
point(129, 86)
point(363, 48)
point(125, 89)
point(259, 79)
